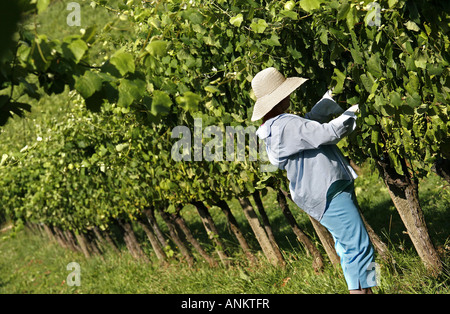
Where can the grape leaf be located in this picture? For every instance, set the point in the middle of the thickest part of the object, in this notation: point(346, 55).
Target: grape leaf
point(88, 84)
point(310, 5)
point(124, 63)
point(237, 20)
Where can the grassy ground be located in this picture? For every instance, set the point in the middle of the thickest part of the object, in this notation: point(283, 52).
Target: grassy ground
point(31, 264)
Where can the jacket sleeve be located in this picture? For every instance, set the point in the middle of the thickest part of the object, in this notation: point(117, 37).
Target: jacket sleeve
point(302, 134)
point(324, 109)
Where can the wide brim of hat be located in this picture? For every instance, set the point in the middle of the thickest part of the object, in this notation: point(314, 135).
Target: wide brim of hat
point(266, 103)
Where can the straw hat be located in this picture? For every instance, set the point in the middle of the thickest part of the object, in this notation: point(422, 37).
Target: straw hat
point(271, 87)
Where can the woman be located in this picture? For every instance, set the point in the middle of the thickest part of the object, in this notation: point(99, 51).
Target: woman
point(320, 178)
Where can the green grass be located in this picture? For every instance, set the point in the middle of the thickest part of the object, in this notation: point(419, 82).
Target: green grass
point(31, 264)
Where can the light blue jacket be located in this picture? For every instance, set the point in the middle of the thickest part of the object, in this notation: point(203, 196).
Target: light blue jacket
point(306, 149)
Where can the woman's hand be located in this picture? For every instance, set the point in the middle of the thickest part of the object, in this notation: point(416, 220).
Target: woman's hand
point(328, 94)
point(354, 109)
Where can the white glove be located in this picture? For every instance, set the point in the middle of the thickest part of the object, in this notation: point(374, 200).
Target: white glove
point(328, 94)
point(354, 109)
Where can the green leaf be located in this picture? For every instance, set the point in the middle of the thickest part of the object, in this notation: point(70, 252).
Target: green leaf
point(373, 65)
point(351, 18)
point(272, 41)
point(435, 69)
point(258, 25)
point(89, 35)
point(289, 5)
point(78, 48)
point(157, 48)
point(412, 26)
point(395, 162)
point(161, 103)
point(396, 100)
point(410, 65)
point(413, 83)
point(339, 77)
point(421, 62)
point(357, 56)
point(392, 3)
point(370, 120)
point(375, 140)
point(189, 101)
point(124, 62)
point(237, 20)
point(4, 157)
point(379, 102)
point(324, 36)
point(88, 84)
point(310, 5)
point(42, 5)
point(343, 10)
point(129, 91)
point(212, 89)
point(414, 100)
point(289, 14)
point(194, 16)
point(23, 52)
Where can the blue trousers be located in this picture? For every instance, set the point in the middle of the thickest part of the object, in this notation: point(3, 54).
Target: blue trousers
point(352, 242)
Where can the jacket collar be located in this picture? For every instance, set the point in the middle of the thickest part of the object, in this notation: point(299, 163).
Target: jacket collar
point(264, 130)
